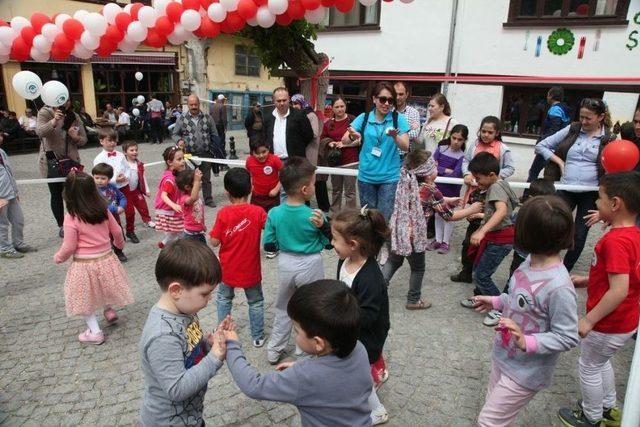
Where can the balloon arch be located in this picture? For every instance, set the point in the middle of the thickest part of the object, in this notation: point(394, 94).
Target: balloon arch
point(84, 34)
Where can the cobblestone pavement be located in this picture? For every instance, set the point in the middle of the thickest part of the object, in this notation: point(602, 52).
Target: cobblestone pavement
point(439, 359)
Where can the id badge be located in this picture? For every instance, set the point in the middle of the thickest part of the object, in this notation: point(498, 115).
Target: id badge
point(376, 152)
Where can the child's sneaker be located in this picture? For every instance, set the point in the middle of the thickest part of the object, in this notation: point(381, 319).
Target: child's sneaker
point(492, 318)
point(11, 254)
point(270, 255)
point(444, 248)
point(110, 315)
point(132, 237)
point(150, 224)
point(611, 416)
point(576, 418)
point(88, 337)
point(259, 342)
point(379, 417)
point(433, 245)
point(468, 302)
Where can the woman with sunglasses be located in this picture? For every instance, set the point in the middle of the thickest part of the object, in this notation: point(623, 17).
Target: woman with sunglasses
point(380, 139)
point(574, 154)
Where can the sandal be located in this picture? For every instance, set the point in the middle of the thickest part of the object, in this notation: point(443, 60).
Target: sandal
point(420, 305)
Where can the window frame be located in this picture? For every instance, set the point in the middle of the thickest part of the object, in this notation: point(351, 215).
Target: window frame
point(541, 20)
point(361, 25)
point(246, 65)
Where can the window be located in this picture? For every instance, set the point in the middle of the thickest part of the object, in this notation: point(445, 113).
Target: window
point(358, 18)
point(524, 107)
point(69, 74)
point(567, 12)
point(247, 62)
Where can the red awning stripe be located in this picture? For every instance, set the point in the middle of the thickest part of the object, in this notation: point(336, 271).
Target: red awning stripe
point(160, 58)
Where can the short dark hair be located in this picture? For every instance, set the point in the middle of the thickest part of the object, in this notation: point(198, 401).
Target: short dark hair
point(184, 178)
point(380, 86)
point(484, 163)
point(404, 85)
point(627, 131)
point(103, 169)
point(541, 187)
point(327, 309)
point(127, 144)
point(257, 140)
point(297, 171)
point(544, 226)
point(237, 181)
point(281, 89)
point(107, 132)
point(556, 93)
point(626, 186)
point(188, 262)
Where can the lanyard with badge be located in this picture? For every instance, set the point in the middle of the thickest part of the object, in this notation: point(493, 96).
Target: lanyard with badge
point(376, 151)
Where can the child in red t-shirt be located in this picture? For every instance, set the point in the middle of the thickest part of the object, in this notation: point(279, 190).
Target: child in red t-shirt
point(263, 167)
point(613, 298)
point(237, 231)
point(189, 183)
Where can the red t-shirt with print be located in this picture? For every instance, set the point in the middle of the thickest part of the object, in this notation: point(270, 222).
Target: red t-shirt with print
point(617, 252)
point(238, 228)
point(192, 214)
point(264, 176)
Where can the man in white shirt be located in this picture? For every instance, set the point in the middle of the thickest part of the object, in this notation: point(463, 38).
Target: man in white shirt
point(287, 130)
point(124, 122)
point(28, 122)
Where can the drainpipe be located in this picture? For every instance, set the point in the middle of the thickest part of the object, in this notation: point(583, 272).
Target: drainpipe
point(452, 36)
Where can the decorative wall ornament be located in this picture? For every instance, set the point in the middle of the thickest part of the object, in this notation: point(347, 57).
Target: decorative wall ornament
point(561, 41)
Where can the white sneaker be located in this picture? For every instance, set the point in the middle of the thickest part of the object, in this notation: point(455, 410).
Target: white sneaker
point(259, 342)
point(492, 318)
point(271, 255)
point(379, 417)
point(151, 224)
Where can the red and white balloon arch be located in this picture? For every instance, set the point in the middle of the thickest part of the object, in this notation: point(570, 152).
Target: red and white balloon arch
point(84, 34)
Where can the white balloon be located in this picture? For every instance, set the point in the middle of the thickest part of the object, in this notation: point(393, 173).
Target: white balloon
point(61, 18)
point(216, 12)
point(161, 6)
point(38, 56)
point(135, 112)
point(264, 17)
point(4, 49)
point(229, 5)
point(190, 20)
point(127, 46)
point(19, 22)
point(97, 24)
point(368, 2)
point(139, 76)
point(137, 32)
point(174, 40)
point(315, 16)
point(89, 41)
point(27, 84)
point(140, 99)
point(79, 51)
point(147, 16)
point(278, 7)
point(110, 11)
point(54, 93)
point(7, 35)
point(80, 15)
point(180, 32)
point(253, 21)
point(127, 8)
point(41, 43)
point(4, 59)
point(49, 31)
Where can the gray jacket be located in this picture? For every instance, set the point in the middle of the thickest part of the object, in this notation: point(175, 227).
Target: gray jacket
point(54, 138)
point(8, 185)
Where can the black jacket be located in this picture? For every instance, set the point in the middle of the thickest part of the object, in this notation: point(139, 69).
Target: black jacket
point(299, 132)
point(371, 291)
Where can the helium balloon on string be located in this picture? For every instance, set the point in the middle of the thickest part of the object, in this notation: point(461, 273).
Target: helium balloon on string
point(54, 93)
point(620, 156)
point(139, 76)
point(140, 99)
point(135, 112)
point(27, 84)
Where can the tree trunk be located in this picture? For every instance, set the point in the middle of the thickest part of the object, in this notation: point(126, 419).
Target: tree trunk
point(197, 66)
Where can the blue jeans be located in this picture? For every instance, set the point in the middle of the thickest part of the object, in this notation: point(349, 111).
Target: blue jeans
point(378, 196)
point(488, 264)
point(255, 300)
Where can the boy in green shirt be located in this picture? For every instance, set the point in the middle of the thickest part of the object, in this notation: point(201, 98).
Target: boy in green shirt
point(299, 233)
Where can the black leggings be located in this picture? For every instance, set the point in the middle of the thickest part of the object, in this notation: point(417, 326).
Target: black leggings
point(57, 205)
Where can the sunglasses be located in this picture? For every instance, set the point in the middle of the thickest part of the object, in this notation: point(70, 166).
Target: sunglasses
point(385, 100)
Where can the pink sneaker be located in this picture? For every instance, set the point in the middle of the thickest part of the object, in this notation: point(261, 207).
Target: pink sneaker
point(111, 315)
point(444, 248)
point(87, 337)
point(433, 245)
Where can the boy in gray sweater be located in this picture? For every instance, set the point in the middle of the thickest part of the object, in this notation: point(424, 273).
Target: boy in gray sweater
point(330, 389)
point(177, 358)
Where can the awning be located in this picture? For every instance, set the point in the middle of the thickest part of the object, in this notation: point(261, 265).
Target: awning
point(146, 58)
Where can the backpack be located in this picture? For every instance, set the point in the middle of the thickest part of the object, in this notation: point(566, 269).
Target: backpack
point(394, 117)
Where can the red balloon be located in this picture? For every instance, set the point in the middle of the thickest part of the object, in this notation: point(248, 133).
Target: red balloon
point(226, 28)
point(206, 3)
point(59, 54)
point(113, 34)
point(135, 8)
point(174, 11)
point(38, 20)
point(208, 28)
point(123, 20)
point(191, 4)
point(310, 4)
point(4, 23)
point(344, 6)
point(284, 19)
point(20, 49)
point(295, 10)
point(164, 26)
point(154, 39)
point(582, 10)
point(63, 42)
point(28, 33)
point(261, 2)
point(72, 28)
point(620, 156)
point(106, 48)
point(236, 23)
point(247, 9)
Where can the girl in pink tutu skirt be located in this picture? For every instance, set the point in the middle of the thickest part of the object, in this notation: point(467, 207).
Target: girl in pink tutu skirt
point(96, 278)
point(168, 210)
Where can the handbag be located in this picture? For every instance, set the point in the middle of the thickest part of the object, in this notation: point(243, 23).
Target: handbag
point(60, 166)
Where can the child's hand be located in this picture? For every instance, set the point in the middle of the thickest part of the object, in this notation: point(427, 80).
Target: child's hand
point(477, 237)
point(483, 303)
point(219, 345)
point(197, 175)
point(353, 135)
point(3, 203)
point(231, 335)
point(516, 332)
point(475, 216)
point(477, 207)
point(227, 324)
point(120, 210)
point(317, 218)
point(176, 207)
point(470, 180)
point(579, 281)
point(121, 177)
point(584, 327)
point(284, 365)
